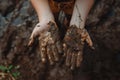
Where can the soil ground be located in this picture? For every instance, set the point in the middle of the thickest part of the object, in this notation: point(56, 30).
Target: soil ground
point(17, 20)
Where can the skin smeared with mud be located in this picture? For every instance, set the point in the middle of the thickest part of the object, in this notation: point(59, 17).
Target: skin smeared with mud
point(49, 43)
point(73, 45)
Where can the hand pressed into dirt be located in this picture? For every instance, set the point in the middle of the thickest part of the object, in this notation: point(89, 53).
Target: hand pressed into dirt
point(49, 43)
point(73, 45)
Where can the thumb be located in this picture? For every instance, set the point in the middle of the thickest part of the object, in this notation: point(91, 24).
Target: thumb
point(31, 40)
point(89, 41)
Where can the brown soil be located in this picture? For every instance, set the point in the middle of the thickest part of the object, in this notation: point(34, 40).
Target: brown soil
point(103, 25)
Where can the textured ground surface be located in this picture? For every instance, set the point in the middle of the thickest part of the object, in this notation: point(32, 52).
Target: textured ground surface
point(17, 19)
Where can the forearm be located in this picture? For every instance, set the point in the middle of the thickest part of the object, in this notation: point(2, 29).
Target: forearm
point(80, 12)
point(43, 10)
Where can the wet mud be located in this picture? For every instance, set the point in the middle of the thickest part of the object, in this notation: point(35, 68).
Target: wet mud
point(17, 20)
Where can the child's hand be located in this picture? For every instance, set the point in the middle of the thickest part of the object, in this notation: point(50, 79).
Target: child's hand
point(73, 45)
point(49, 41)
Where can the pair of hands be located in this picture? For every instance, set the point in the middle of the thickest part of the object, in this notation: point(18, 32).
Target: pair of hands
point(51, 46)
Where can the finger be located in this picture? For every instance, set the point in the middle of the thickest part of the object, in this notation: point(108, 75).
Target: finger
point(68, 58)
point(83, 34)
point(30, 41)
point(88, 40)
point(42, 51)
point(32, 37)
point(73, 59)
point(43, 55)
point(55, 53)
point(64, 49)
point(79, 59)
point(59, 47)
point(50, 56)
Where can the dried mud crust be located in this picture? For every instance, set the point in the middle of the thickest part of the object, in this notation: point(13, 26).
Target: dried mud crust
point(50, 44)
point(73, 45)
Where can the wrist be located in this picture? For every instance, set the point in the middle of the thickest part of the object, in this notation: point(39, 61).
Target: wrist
point(46, 19)
point(77, 23)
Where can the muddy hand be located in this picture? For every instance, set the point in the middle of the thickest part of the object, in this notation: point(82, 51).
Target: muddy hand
point(49, 41)
point(73, 45)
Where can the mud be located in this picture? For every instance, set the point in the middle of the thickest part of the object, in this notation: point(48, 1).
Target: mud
point(73, 44)
point(103, 25)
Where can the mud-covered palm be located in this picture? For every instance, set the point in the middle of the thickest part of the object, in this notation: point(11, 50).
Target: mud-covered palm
point(49, 41)
point(73, 45)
